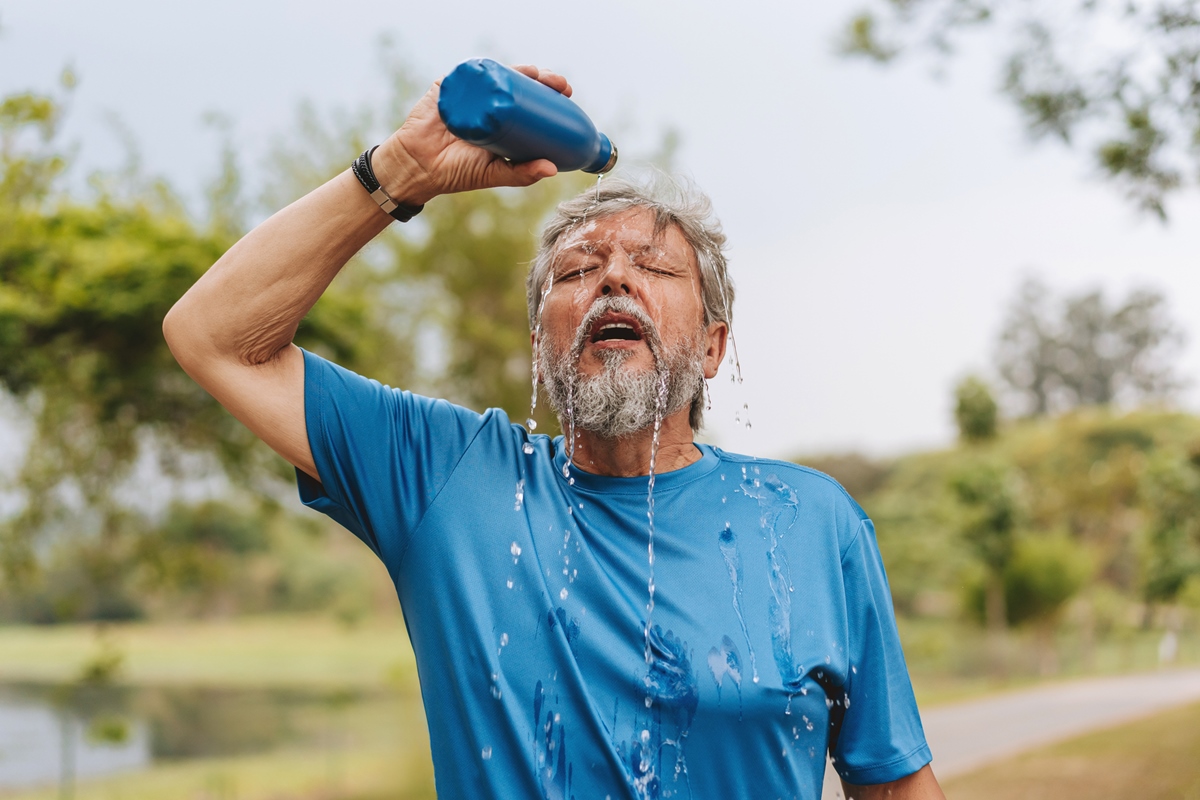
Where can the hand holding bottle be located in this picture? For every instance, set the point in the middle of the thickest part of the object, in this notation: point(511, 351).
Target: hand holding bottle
point(423, 159)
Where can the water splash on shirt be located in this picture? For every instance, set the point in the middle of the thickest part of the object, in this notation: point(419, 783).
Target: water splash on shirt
point(733, 563)
point(776, 500)
point(672, 683)
point(550, 749)
point(725, 660)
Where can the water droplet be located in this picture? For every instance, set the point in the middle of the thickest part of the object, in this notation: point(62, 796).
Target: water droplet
point(528, 448)
point(645, 736)
point(563, 594)
point(503, 639)
point(510, 583)
point(486, 753)
point(516, 551)
point(531, 423)
point(520, 495)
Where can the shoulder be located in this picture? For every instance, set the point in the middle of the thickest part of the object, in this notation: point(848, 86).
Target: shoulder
point(808, 483)
point(818, 499)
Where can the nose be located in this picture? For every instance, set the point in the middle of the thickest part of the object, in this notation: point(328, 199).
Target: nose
point(618, 276)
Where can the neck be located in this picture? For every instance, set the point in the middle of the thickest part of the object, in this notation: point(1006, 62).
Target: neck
point(629, 456)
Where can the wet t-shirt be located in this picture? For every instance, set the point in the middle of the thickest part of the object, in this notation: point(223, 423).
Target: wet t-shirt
point(525, 587)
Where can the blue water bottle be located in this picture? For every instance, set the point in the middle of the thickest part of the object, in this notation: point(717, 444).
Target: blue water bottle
point(514, 116)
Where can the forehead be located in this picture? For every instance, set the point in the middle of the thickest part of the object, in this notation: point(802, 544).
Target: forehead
point(633, 231)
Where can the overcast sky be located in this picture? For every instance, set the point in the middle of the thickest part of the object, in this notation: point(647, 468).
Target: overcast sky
point(879, 220)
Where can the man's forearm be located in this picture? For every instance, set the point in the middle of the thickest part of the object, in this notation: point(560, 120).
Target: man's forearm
point(248, 306)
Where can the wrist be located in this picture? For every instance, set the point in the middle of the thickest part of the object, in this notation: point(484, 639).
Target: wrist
point(399, 173)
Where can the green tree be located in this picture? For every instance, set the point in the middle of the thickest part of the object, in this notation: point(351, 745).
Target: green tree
point(1170, 541)
point(988, 494)
point(975, 410)
point(1044, 573)
point(84, 285)
point(1117, 77)
point(1082, 351)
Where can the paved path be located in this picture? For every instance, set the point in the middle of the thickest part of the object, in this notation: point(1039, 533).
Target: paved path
point(967, 735)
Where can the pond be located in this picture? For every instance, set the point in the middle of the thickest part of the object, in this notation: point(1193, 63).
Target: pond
point(50, 733)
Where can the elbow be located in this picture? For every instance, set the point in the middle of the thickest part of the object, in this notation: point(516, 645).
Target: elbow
point(181, 334)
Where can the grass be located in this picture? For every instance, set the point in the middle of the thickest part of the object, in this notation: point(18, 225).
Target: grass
point(1152, 759)
point(267, 651)
point(399, 774)
point(948, 660)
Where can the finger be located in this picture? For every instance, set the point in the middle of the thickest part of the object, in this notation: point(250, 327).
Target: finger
point(529, 172)
point(552, 79)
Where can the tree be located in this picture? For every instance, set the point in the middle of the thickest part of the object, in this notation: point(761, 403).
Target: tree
point(988, 495)
point(975, 410)
point(1170, 544)
point(84, 286)
point(1118, 77)
point(1086, 352)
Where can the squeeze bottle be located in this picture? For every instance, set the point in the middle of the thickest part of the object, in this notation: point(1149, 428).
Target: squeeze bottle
point(512, 115)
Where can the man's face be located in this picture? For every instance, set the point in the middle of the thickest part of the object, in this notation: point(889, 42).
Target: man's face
point(622, 326)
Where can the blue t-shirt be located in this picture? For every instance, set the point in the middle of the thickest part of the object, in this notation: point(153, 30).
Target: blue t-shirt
point(525, 592)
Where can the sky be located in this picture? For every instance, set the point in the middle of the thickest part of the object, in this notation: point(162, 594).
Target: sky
point(879, 219)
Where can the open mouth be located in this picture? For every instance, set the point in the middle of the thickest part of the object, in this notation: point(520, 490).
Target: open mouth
point(615, 328)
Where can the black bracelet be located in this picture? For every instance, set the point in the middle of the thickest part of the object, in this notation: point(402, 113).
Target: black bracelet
point(366, 176)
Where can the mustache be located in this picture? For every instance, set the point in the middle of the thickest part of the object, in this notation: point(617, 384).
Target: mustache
point(617, 305)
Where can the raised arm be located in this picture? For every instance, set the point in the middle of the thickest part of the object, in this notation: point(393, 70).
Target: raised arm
point(232, 332)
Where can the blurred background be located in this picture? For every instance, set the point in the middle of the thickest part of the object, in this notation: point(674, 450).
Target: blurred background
point(964, 238)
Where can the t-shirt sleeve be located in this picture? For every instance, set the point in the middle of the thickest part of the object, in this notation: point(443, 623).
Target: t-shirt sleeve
point(382, 455)
point(881, 738)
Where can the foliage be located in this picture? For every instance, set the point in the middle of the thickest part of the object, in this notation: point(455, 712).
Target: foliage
point(1119, 75)
point(1086, 352)
point(989, 494)
point(1170, 546)
point(1043, 574)
point(1088, 476)
point(975, 410)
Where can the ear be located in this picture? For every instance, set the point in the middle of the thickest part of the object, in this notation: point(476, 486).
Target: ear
point(718, 334)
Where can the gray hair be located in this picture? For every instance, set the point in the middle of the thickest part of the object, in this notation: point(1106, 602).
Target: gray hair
point(673, 202)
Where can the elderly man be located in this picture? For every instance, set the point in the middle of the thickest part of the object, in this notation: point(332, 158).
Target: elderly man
point(616, 613)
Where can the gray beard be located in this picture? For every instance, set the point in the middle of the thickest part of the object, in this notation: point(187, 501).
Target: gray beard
point(620, 401)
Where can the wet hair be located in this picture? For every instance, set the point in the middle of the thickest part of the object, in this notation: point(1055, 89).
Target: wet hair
point(673, 202)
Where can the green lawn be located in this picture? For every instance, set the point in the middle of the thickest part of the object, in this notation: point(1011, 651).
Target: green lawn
point(1152, 759)
point(287, 775)
point(270, 651)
